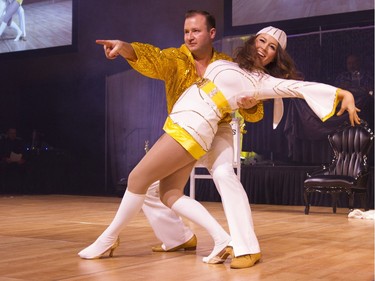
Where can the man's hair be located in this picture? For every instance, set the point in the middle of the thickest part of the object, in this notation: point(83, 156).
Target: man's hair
point(210, 19)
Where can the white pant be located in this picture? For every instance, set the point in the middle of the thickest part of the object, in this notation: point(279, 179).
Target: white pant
point(170, 229)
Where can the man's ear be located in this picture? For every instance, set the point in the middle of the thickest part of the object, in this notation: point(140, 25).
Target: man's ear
point(212, 33)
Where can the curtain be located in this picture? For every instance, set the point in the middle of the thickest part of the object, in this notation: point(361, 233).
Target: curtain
point(136, 111)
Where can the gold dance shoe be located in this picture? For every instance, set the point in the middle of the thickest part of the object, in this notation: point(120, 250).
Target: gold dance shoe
point(190, 245)
point(222, 256)
point(245, 261)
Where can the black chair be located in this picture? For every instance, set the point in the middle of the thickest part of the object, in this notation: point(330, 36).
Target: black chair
point(348, 171)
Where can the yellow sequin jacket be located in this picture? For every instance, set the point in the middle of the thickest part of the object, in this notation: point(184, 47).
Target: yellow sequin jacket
point(176, 67)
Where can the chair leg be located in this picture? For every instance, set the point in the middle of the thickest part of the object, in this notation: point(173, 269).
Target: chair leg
point(306, 197)
point(334, 201)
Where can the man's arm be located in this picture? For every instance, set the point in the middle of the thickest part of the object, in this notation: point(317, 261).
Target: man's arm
point(114, 48)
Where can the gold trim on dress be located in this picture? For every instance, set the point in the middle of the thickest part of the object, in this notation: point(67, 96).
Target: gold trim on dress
point(215, 94)
point(183, 138)
point(335, 103)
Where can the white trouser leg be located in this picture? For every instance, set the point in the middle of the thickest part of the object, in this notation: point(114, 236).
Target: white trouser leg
point(168, 227)
point(21, 17)
point(198, 214)
point(130, 206)
point(235, 201)
point(237, 211)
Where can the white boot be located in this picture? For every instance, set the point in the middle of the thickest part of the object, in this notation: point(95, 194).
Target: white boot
point(19, 31)
point(195, 212)
point(3, 25)
point(130, 206)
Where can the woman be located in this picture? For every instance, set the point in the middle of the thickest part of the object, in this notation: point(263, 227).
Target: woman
point(192, 124)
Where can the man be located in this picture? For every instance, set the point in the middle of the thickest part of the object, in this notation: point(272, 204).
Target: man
point(355, 77)
point(180, 68)
point(361, 83)
point(11, 148)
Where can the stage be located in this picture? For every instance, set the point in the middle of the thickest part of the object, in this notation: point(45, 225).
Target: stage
point(40, 237)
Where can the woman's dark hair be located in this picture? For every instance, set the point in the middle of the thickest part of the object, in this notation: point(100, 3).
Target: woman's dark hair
point(210, 19)
point(281, 67)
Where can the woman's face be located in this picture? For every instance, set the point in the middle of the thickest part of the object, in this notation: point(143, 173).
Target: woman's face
point(266, 47)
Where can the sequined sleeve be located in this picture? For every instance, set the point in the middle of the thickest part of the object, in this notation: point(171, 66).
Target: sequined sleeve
point(254, 114)
point(152, 61)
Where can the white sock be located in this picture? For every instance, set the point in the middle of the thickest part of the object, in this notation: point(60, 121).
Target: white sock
point(130, 206)
point(195, 212)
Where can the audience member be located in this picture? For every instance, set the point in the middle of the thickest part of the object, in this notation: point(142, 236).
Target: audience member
point(360, 82)
point(12, 161)
point(355, 77)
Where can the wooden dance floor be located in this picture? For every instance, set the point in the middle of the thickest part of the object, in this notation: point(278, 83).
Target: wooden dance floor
point(40, 237)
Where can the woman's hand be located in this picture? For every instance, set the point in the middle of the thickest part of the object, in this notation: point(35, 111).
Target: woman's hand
point(348, 104)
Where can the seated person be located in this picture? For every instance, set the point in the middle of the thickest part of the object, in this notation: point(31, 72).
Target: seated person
point(355, 76)
point(358, 80)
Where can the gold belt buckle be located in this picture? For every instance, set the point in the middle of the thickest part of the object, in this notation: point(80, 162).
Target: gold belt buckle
point(201, 82)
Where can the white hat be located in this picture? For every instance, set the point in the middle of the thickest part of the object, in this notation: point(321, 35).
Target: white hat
point(276, 33)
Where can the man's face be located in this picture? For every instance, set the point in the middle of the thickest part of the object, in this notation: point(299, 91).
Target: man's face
point(196, 36)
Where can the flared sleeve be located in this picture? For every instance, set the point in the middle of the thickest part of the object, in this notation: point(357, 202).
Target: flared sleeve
point(321, 98)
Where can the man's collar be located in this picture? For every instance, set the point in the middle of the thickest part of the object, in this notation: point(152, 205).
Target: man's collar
point(184, 49)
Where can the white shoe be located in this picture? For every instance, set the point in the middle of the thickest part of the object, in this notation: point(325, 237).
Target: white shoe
point(97, 249)
point(219, 254)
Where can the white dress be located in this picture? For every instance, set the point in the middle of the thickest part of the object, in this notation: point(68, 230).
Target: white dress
point(194, 118)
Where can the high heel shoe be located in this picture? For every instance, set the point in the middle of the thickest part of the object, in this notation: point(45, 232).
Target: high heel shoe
point(220, 257)
point(87, 253)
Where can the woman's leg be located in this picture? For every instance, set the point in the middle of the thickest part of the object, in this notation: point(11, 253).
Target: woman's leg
point(171, 192)
point(19, 31)
point(130, 206)
point(166, 224)
point(164, 158)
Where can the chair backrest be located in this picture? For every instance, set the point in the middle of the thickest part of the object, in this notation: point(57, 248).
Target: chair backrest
point(235, 124)
point(351, 146)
